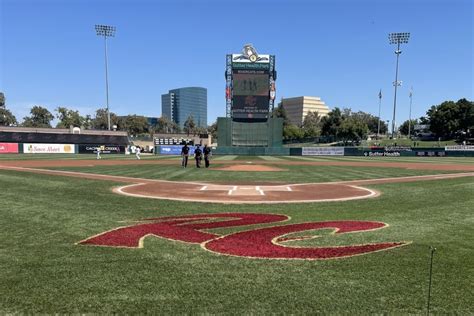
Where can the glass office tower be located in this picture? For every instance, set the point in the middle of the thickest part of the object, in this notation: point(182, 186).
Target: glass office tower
point(179, 104)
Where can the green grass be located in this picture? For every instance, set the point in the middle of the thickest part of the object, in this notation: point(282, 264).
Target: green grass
point(43, 271)
point(290, 173)
point(403, 159)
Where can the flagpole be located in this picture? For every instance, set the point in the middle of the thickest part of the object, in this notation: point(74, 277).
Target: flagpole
point(380, 103)
point(409, 117)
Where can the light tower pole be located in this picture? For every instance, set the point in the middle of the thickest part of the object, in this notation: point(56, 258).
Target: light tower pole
point(397, 38)
point(106, 31)
point(409, 115)
point(380, 104)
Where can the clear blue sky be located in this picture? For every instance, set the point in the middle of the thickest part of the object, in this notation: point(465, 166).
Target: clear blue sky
point(337, 50)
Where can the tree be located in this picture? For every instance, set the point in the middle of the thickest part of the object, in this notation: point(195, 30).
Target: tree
point(403, 129)
point(331, 123)
point(100, 119)
point(292, 131)
point(164, 125)
point(88, 121)
point(353, 129)
point(281, 112)
point(450, 119)
point(69, 117)
point(40, 117)
point(213, 130)
point(189, 125)
point(200, 130)
point(466, 115)
point(7, 118)
point(442, 119)
point(2, 100)
point(133, 124)
point(312, 124)
point(371, 121)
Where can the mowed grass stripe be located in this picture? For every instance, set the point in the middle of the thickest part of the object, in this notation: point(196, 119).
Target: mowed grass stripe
point(271, 158)
point(290, 174)
point(224, 157)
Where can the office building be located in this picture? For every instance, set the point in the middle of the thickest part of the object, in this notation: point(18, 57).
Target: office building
point(298, 107)
point(179, 104)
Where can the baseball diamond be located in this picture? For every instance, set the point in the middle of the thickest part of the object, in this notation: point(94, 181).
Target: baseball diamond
point(243, 217)
point(162, 164)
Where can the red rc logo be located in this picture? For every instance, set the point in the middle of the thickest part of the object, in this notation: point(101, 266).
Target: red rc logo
point(268, 242)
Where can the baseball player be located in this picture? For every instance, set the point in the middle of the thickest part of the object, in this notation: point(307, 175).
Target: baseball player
point(137, 152)
point(185, 155)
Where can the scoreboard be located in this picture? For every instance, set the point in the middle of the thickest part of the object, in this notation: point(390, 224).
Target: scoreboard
point(250, 85)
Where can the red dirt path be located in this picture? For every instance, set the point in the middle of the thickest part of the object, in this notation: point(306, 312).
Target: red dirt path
point(249, 167)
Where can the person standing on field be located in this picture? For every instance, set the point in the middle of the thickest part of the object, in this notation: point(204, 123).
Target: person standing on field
point(207, 154)
point(198, 156)
point(185, 155)
point(98, 153)
point(137, 152)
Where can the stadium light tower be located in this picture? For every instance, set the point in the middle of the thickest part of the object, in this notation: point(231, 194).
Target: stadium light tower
point(409, 115)
point(397, 38)
point(106, 31)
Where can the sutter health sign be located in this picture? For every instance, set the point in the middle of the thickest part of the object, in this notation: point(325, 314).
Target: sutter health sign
point(48, 148)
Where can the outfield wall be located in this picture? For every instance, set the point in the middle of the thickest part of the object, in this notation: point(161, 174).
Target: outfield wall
point(448, 151)
point(34, 148)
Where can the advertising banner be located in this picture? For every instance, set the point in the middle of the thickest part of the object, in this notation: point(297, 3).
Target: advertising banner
point(323, 151)
point(8, 148)
point(459, 148)
point(430, 153)
point(49, 148)
point(174, 150)
point(260, 59)
point(382, 154)
point(104, 149)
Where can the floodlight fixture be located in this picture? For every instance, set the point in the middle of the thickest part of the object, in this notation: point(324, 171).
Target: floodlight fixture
point(397, 39)
point(106, 31)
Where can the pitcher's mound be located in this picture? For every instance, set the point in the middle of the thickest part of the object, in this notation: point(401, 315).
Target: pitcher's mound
point(249, 168)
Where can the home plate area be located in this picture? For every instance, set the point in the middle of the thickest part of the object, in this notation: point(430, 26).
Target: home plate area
point(245, 190)
point(252, 194)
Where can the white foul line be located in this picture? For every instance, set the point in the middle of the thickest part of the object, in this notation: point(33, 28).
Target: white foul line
point(231, 190)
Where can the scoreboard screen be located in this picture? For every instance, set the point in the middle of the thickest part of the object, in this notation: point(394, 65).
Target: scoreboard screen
point(250, 95)
point(251, 84)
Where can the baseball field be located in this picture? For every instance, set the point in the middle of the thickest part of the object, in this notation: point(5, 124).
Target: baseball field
point(251, 235)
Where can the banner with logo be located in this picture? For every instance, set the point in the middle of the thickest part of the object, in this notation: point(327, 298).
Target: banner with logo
point(323, 151)
point(104, 149)
point(459, 148)
point(8, 148)
point(174, 150)
point(49, 148)
point(382, 154)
